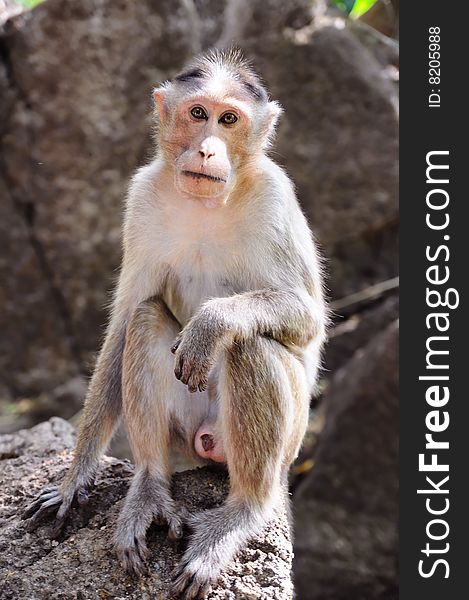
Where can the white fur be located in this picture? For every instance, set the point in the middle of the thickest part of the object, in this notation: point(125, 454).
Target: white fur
point(209, 248)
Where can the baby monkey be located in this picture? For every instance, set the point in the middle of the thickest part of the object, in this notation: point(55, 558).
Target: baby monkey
point(216, 328)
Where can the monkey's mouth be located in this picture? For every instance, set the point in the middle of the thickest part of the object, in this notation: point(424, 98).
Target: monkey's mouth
point(195, 175)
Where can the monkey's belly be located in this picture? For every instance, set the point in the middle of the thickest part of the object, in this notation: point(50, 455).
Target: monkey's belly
point(208, 443)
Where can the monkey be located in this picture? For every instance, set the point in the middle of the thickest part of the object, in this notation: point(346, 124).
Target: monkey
point(216, 328)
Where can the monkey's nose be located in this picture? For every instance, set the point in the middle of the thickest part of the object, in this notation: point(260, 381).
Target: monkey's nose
point(206, 153)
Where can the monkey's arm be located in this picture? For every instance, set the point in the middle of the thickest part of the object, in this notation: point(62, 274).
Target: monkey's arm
point(292, 317)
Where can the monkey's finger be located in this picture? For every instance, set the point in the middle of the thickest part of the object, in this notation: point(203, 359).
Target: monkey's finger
point(57, 527)
point(186, 371)
point(192, 387)
point(192, 591)
point(50, 488)
point(190, 587)
point(205, 590)
point(175, 346)
point(178, 363)
point(45, 492)
point(198, 379)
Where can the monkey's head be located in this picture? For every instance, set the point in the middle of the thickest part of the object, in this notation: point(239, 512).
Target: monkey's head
point(214, 120)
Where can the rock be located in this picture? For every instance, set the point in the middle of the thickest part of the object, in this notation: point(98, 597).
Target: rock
point(76, 80)
point(82, 75)
point(383, 48)
point(9, 8)
point(348, 336)
point(81, 564)
point(338, 140)
point(66, 400)
point(346, 509)
point(36, 353)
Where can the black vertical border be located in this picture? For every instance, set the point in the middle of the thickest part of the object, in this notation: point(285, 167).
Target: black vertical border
point(424, 129)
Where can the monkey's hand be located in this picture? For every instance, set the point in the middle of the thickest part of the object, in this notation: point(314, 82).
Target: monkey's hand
point(197, 347)
point(51, 500)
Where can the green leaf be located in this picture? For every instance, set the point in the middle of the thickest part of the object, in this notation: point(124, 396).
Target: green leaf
point(29, 3)
point(360, 7)
point(345, 5)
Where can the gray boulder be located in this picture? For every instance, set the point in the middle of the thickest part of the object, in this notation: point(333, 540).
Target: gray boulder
point(349, 335)
point(81, 564)
point(346, 509)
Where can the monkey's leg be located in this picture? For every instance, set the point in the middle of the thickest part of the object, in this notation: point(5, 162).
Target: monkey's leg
point(150, 396)
point(100, 416)
point(263, 411)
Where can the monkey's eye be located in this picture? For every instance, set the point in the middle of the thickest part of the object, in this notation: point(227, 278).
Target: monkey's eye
point(228, 118)
point(199, 113)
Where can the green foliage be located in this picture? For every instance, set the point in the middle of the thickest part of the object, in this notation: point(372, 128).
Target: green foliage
point(345, 5)
point(29, 3)
point(354, 8)
point(360, 7)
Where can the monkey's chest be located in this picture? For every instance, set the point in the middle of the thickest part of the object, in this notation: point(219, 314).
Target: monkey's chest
point(194, 278)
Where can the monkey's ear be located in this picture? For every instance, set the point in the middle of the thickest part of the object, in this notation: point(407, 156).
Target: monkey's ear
point(160, 96)
point(274, 110)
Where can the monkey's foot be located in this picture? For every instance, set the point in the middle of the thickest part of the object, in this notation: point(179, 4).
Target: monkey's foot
point(130, 538)
point(52, 500)
point(217, 534)
point(192, 580)
point(132, 554)
point(204, 558)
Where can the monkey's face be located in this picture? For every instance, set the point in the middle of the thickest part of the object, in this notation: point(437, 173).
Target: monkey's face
point(214, 121)
point(209, 143)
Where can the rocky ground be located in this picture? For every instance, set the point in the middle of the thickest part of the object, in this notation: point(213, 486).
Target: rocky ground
point(81, 565)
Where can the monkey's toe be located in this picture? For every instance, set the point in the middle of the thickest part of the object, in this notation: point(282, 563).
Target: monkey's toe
point(188, 585)
point(82, 496)
point(58, 525)
point(40, 499)
point(50, 501)
point(133, 558)
point(46, 503)
point(175, 531)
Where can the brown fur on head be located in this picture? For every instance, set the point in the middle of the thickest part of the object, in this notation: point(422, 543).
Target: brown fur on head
point(213, 119)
